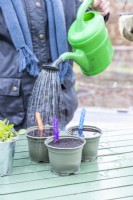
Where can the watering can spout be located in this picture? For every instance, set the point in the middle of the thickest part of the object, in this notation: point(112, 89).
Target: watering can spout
point(78, 56)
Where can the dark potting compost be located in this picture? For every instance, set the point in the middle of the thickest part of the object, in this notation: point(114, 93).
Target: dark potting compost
point(41, 133)
point(66, 143)
point(88, 132)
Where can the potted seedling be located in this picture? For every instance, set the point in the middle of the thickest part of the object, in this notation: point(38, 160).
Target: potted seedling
point(8, 137)
point(64, 152)
point(36, 136)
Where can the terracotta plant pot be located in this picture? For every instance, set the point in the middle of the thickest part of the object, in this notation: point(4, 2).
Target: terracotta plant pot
point(92, 136)
point(65, 154)
point(7, 150)
point(37, 150)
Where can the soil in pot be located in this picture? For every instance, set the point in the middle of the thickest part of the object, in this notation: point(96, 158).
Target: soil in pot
point(42, 133)
point(65, 154)
point(66, 143)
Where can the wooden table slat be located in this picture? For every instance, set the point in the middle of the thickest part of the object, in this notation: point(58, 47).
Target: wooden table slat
point(109, 177)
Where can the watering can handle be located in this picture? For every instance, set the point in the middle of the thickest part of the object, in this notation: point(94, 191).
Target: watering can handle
point(80, 15)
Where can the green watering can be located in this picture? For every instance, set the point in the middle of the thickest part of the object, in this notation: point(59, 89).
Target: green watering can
point(88, 36)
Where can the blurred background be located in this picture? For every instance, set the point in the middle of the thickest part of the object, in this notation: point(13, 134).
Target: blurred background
point(113, 88)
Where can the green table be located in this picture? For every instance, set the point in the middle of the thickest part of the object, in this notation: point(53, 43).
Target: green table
point(108, 177)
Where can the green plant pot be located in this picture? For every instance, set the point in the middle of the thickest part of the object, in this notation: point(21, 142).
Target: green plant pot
point(92, 136)
point(65, 160)
point(38, 152)
point(7, 150)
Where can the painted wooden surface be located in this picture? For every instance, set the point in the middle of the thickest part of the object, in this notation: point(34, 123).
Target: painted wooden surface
point(110, 177)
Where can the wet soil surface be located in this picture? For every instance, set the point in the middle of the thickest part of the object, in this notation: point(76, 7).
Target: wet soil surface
point(43, 133)
point(66, 143)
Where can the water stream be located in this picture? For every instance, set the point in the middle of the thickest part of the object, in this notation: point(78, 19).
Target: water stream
point(47, 99)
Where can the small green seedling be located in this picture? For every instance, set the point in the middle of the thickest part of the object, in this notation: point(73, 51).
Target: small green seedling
point(7, 131)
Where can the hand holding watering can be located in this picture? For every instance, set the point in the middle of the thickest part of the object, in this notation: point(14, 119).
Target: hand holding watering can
point(88, 36)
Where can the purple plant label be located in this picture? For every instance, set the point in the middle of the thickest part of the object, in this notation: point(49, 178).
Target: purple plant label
point(55, 126)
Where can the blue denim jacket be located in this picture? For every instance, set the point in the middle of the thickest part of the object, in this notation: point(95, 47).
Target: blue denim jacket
point(15, 87)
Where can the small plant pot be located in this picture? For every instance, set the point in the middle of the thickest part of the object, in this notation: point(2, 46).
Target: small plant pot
point(92, 136)
point(65, 154)
point(7, 150)
point(37, 150)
